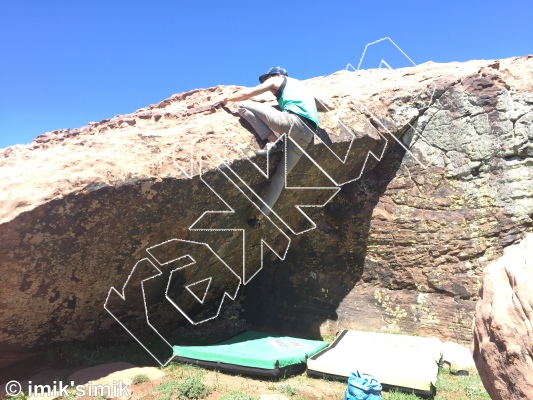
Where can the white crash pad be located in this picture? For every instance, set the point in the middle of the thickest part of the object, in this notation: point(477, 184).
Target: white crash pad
point(458, 357)
point(408, 363)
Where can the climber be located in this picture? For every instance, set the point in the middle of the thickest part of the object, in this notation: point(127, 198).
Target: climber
point(298, 119)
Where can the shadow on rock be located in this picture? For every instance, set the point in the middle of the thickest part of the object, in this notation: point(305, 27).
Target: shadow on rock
point(298, 295)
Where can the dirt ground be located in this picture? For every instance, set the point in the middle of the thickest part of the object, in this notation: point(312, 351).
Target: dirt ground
point(220, 384)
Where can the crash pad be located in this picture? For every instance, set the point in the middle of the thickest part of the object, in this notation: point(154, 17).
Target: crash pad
point(252, 353)
point(406, 363)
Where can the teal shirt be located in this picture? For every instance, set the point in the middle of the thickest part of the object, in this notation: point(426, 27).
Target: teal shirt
point(295, 97)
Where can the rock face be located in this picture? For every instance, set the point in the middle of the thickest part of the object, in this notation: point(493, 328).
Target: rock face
point(503, 328)
point(400, 246)
point(416, 235)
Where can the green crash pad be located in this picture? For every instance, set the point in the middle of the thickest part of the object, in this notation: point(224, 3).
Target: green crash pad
point(253, 353)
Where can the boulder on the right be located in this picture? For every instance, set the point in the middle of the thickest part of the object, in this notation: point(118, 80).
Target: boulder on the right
point(503, 324)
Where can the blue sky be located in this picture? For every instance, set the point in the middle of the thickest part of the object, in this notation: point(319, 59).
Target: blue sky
point(66, 63)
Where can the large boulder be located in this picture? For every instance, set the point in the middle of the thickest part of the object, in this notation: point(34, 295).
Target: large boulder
point(503, 328)
point(435, 184)
point(403, 247)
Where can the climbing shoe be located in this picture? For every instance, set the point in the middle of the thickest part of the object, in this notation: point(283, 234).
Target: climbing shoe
point(271, 147)
point(254, 222)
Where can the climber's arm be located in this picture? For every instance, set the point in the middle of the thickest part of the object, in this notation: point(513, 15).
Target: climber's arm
point(247, 93)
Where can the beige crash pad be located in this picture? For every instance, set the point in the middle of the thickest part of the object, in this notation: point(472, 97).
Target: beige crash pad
point(409, 363)
point(458, 357)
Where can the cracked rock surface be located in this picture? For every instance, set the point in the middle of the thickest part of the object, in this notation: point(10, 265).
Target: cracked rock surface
point(401, 246)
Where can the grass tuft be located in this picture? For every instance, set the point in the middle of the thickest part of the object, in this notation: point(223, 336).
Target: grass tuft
point(238, 395)
point(140, 378)
point(166, 389)
point(396, 395)
point(287, 389)
point(192, 388)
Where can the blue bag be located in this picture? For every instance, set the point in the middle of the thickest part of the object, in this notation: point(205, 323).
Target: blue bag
point(362, 386)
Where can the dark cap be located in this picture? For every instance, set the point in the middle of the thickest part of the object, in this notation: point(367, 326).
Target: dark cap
point(273, 71)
